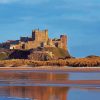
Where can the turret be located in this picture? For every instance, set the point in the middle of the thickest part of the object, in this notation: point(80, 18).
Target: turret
point(41, 36)
point(64, 41)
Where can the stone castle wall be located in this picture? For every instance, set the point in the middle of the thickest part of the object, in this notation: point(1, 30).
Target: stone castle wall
point(40, 36)
point(63, 41)
point(40, 39)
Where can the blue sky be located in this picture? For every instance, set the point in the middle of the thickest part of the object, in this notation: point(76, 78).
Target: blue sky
point(79, 19)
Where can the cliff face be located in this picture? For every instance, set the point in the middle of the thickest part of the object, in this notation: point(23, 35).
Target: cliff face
point(49, 53)
point(40, 56)
point(19, 54)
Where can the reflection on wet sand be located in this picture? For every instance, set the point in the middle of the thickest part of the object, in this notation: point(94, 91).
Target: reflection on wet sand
point(32, 76)
point(38, 93)
point(17, 85)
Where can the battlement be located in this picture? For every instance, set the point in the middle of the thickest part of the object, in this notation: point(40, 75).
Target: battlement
point(37, 30)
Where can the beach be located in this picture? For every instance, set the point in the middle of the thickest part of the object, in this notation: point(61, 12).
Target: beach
point(52, 69)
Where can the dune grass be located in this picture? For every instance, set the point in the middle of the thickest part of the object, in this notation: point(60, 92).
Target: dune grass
point(78, 62)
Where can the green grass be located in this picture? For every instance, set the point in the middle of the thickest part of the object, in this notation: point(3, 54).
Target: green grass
point(3, 55)
point(58, 52)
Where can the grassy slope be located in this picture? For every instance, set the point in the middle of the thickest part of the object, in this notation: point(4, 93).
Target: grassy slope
point(3, 56)
point(58, 52)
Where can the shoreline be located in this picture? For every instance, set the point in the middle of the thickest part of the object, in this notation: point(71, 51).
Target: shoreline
point(52, 69)
point(72, 62)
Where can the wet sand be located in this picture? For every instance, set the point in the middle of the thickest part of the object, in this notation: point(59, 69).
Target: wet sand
point(52, 68)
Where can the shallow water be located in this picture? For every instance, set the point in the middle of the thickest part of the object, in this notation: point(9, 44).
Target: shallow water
point(49, 85)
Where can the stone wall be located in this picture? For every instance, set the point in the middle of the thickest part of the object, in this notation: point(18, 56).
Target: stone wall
point(63, 39)
point(40, 39)
point(40, 36)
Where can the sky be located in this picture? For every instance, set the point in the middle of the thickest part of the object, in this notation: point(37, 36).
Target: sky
point(78, 19)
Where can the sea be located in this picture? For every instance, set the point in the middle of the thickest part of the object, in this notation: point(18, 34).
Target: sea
point(49, 85)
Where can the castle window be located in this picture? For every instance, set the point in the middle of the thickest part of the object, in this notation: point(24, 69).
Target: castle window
point(42, 44)
point(56, 44)
point(23, 46)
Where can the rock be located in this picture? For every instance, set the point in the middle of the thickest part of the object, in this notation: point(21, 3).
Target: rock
point(93, 56)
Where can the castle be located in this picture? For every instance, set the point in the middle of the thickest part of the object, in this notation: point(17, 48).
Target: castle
point(38, 39)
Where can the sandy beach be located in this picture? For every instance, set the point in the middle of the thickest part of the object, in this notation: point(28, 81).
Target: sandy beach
point(52, 68)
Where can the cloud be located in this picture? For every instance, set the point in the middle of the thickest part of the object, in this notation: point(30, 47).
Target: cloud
point(34, 1)
point(7, 1)
point(22, 2)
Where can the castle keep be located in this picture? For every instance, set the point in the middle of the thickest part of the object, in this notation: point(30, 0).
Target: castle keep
point(39, 39)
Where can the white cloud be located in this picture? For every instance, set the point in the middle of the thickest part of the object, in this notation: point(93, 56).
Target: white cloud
point(23, 2)
point(7, 1)
point(35, 1)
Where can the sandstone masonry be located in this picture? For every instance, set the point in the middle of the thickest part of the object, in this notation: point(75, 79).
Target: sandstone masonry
point(38, 39)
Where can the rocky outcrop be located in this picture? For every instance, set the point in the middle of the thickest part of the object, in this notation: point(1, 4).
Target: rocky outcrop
point(41, 56)
point(19, 54)
point(31, 54)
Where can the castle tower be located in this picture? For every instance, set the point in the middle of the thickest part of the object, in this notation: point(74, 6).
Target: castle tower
point(40, 36)
point(50, 42)
point(35, 34)
point(64, 41)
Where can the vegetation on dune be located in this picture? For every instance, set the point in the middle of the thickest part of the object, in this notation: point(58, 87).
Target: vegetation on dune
point(84, 62)
point(3, 55)
point(79, 62)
